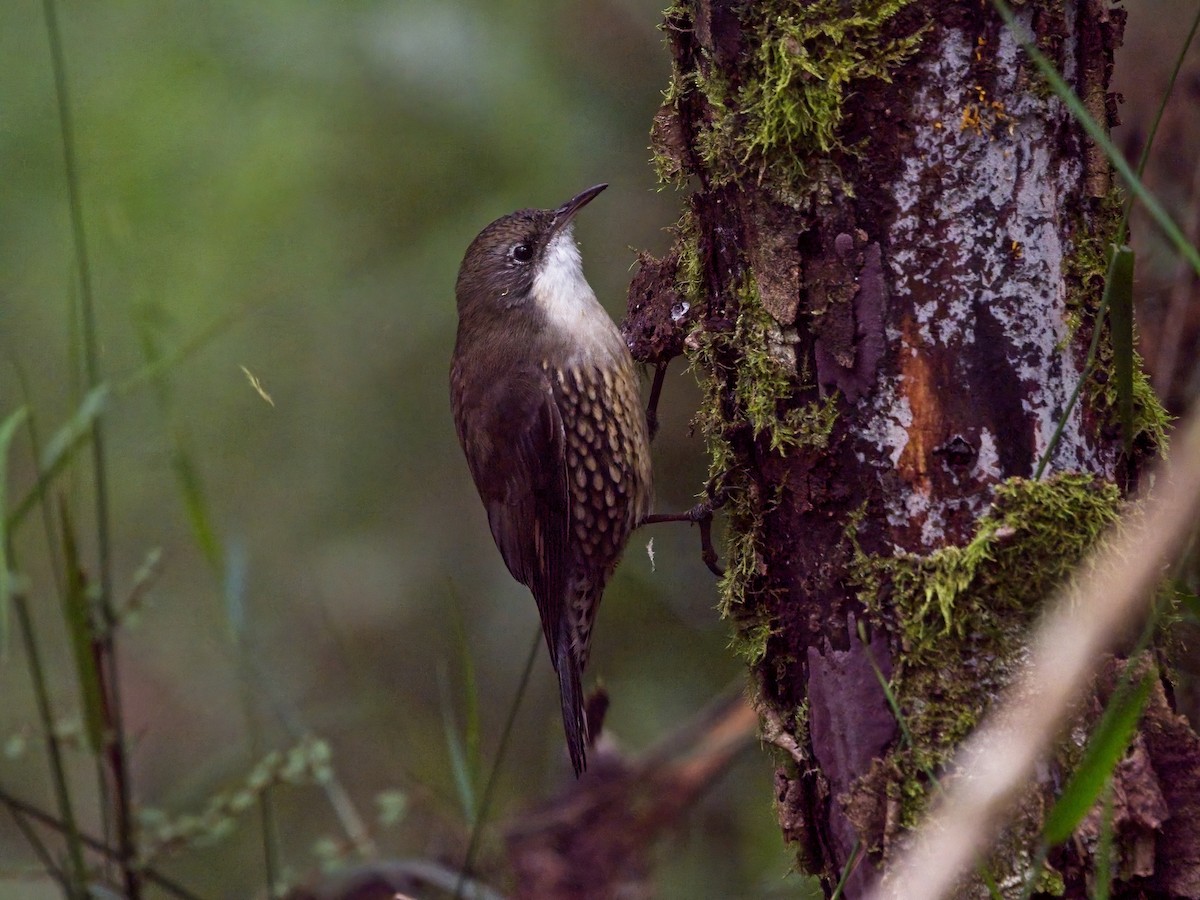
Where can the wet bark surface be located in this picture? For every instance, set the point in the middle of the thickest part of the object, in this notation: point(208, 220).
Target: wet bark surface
point(931, 272)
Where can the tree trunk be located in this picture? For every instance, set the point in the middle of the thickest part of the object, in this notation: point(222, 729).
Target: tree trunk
point(886, 279)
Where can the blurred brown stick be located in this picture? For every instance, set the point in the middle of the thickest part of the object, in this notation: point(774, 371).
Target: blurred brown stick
point(596, 839)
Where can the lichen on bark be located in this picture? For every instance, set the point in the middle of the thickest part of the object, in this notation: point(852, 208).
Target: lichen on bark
point(890, 265)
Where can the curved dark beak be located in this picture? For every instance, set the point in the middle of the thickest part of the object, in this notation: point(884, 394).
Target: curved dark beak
point(566, 212)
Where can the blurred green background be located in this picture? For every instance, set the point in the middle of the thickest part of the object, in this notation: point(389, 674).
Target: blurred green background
point(288, 187)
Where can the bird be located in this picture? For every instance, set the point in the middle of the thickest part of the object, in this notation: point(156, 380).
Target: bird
point(547, 406)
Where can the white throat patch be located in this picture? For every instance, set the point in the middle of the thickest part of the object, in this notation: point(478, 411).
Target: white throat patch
point(559, 287)
point(568, 302)
point(570, 305)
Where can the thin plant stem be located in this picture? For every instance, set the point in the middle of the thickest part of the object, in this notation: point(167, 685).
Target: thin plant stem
point(117, 755)
point(152, 876)
point(485, 801)
point(49, 864)
point(847, 869)
point(58, 772)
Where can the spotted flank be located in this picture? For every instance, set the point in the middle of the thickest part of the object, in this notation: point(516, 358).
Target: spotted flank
point(608, 477)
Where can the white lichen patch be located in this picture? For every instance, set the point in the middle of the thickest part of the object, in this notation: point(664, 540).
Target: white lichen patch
point(987, 460)
point(889, 430)
point(977, 256)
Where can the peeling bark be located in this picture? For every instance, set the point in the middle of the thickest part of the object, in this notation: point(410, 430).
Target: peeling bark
point(894, 220)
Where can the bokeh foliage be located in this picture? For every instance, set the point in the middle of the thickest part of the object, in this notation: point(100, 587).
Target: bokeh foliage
point(288, 188)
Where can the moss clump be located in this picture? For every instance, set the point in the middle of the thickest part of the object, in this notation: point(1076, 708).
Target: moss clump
point(687, 245)
point(963, 613)
point(761, 383)
point(805, 62)
point(1150, 418)
point(802, 62)
point(744, 569)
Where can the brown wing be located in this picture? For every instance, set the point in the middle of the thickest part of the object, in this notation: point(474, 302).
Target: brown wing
point(512, 434)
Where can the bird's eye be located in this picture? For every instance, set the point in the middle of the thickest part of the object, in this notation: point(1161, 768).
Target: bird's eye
point(522, 253)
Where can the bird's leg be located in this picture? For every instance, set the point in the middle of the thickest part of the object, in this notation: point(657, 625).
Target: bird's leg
point(702, 515)
point(660, 372)
point(702, 512)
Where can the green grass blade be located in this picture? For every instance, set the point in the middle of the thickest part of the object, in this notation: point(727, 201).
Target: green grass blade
point(1086, 373)
point(847, 870)
point(60, 451)
point(77, 613)
point(1105, 749)
point(458, 754)
point(89, 333)
point(187, 473)
point(8, 428)
point(199, 514)
point(890, 695)
point(161, 364)
point(1122, 230)
point(1097, 133)
point(1102, 886)
point(470, 691)
point(1119, 290)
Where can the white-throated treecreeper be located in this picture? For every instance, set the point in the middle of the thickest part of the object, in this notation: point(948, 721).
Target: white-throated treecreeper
point(548, 410)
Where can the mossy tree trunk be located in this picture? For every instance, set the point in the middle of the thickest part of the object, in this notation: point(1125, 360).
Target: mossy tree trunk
point(886, 278)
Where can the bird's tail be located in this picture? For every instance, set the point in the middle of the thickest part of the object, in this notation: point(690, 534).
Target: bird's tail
point(571, 693)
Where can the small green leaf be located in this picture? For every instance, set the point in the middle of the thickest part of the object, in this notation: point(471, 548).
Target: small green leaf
point(1105, 749)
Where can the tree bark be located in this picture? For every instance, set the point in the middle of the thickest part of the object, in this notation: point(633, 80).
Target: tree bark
point(886, 279)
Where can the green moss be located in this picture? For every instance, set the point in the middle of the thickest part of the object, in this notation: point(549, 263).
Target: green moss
point(753, 627)
point(963, 605)
point(806, 61)
point(750, 642)
point(762, 382)
point(747, 374)
point(687, 270)
point(1086, 270)
point(807, 425)
point(802, 63)
point(1151, 420)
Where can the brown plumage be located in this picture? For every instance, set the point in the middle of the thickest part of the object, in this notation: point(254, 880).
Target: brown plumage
point(548, 412)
